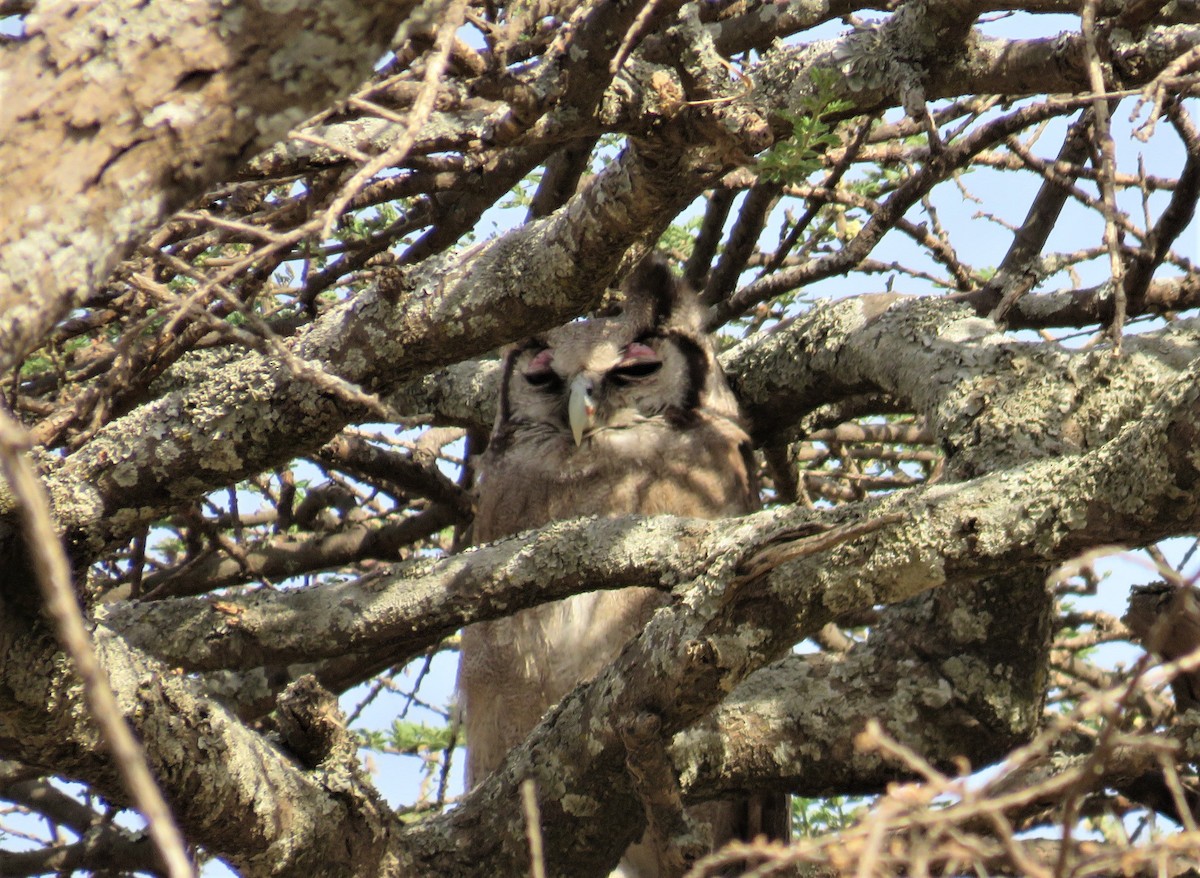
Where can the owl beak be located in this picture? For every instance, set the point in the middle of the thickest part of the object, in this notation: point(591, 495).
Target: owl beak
point(581, 408)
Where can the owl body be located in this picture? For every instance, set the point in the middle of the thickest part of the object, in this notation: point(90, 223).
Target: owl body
point(515, 668)
point(610, 416)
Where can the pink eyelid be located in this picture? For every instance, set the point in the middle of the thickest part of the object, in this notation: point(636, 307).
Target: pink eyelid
point(542, 361)
point(638, 353)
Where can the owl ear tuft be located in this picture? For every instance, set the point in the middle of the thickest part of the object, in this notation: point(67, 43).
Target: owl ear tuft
point(657, 299)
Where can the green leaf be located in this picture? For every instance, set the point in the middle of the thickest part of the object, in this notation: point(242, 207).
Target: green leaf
point(792, 160)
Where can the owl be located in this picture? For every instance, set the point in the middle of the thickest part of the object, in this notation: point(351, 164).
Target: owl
point(609, 416)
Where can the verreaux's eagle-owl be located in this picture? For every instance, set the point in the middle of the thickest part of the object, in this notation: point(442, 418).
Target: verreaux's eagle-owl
point(608, 416)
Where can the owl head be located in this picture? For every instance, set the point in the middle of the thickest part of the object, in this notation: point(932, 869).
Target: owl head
point(595, 380)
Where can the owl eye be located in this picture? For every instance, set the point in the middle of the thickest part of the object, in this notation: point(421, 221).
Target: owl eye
point(544, 380)
point(540, 374)
point(633, 370)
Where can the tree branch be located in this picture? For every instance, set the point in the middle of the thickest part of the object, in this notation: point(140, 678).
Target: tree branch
point(89, 167)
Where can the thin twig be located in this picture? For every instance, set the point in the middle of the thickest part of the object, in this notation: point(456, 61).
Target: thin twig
point(533, 829)
point(1018, 272)
point(1102, 133)
point(417, 116)
point(640, 27)
point(790, 546)
point(1156, 92)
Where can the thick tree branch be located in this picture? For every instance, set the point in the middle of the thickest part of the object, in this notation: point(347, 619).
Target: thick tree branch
point(103, 850)
point(90, 164)
point(410, 610)
point(226, 784)
point(852, 342)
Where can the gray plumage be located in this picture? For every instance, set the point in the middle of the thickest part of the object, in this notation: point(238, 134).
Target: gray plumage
point(609, 416)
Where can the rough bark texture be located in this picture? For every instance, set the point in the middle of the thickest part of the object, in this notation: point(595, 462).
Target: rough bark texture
point(117, 114)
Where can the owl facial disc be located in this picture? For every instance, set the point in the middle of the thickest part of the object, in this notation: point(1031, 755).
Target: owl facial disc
point(581, 408)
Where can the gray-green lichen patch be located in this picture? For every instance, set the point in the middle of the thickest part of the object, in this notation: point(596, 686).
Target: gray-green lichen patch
point(579, 806)
point(898, 567)
point(126, 474)
point(865, 58)
point(939, 695)
point(968, 624)
point(292, 65)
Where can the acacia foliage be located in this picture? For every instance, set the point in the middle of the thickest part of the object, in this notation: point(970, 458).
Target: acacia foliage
point(240, 361)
